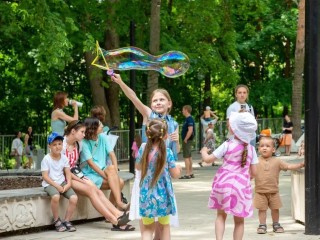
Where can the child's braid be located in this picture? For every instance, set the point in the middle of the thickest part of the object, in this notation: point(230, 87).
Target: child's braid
point(244, 155)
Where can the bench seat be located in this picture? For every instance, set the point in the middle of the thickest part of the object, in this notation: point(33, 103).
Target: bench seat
point(30, 207)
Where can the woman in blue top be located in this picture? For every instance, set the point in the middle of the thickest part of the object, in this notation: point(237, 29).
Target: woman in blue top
point(95, 150)
point(157, 166)
point(58, 117)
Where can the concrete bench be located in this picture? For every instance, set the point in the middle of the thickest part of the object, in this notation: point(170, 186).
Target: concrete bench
point(30, 207)
point(298, 195)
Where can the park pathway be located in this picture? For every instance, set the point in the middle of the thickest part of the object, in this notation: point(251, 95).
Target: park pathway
point(196, 220)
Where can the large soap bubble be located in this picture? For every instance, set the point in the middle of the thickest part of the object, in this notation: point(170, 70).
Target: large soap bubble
point(171, 64)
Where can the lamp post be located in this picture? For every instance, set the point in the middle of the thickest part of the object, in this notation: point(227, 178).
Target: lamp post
point(200, 138)
point(131, 106)
point(312, 115)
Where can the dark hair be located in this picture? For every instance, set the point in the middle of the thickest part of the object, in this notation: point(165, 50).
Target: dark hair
point(30, 133)
point(99, 112)
point(76, 125)
point(92, 125)
point(58, 100)
point(138, 140)
point(156, 129)
point(16, 133)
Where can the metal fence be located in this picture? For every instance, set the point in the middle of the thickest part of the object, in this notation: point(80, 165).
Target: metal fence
point(123, 148)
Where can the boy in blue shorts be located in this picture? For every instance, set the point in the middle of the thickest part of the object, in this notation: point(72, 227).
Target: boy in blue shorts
point(56, 176)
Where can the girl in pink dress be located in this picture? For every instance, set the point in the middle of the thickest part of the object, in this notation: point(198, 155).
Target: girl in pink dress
point(231, 188)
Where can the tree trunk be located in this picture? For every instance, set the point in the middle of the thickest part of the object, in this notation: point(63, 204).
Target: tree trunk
point(297, 84)
point(154, 45)
point(95, 78)
point(112, 92)
point(207, 101)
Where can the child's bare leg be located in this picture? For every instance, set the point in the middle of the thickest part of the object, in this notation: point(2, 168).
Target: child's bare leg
point(275, 215)
point(262, 216)
point(157, 231)
point(55, 206)
point(147, 232)
point(71, 207)
point(141, 226)
point(164, 231)
point(115, 184)
point(220, 224)
point(238, 228)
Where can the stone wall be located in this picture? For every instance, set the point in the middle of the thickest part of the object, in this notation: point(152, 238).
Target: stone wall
point(30, 207)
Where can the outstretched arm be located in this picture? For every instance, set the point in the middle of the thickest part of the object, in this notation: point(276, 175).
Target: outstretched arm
point(206, 157)
point(143, 109)
point(295, 166)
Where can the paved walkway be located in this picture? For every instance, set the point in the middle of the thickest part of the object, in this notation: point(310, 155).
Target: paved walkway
point(196, 221)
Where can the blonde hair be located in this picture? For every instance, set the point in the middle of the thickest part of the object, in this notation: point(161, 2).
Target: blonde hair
point(267, 138)
point(156, 130)
point(165, 93)
point(188, 108)
point(209, 135)
point(241, 86)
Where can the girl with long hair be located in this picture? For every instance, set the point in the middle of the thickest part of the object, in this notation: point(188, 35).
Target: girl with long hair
point(157, 165)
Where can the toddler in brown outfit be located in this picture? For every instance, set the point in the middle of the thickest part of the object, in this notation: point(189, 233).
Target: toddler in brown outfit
point(267, 184)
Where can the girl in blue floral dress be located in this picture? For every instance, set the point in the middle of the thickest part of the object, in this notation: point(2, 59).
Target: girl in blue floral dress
point(160, 106)
point(157, 166)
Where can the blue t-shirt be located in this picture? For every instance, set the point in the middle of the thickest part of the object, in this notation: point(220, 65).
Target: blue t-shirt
point(97, 151)
point(189, 122)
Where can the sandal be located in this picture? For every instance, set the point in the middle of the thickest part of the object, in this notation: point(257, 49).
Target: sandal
point(262, 229)
point(277, 228)
point(69, 226)
point(125, 228)
point(123, 219)
point(185, 177)
point(60, 227)
point(191, 176)
point(200, 163)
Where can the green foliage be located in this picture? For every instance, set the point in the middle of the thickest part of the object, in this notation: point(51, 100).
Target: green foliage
point(42, 46)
